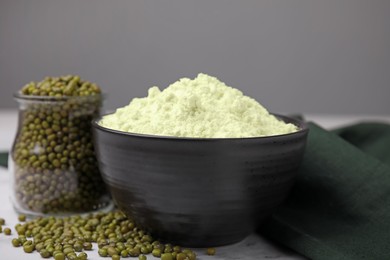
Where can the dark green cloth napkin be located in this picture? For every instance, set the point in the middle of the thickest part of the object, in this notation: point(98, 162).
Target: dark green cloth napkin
point(3, 159)
point(339, 207)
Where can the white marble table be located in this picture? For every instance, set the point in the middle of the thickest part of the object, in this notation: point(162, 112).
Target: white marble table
point(253, 247)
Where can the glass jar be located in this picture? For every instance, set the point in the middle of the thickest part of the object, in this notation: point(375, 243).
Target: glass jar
point(54, 167)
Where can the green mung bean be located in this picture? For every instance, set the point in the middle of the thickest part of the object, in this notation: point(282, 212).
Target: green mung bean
point(59, 256)
point(44, 253)
point(156, 252)
point(181, 256)
point(210, 251)
point(7, 231)
point(167, 256)
point(28, 248)
point(102, 252)
point(22, 217)
point(115, 257)
point(16, 242)
point(82, 256)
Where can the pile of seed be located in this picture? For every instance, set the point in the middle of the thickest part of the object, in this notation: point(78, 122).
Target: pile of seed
point(61, 86)
point(116, 236)
point(55, 168)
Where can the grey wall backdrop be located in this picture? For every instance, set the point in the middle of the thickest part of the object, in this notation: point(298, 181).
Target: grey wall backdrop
point(328, 56)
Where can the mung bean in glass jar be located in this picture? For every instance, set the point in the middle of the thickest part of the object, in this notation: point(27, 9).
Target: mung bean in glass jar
point(52, 159)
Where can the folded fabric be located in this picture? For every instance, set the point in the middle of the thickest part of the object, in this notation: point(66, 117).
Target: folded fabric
point(339, 207)
point(3, 159)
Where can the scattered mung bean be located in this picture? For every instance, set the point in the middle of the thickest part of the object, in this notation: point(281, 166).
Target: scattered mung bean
point(117, 236)
point(142, 257)
point(22, 217)
point(16, 242)
point(210, 251)
point(7, 231)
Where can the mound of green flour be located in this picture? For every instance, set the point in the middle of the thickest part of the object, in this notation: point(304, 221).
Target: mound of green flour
point(203, 107)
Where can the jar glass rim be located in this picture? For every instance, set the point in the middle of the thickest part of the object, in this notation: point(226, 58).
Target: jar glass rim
point(22, 97)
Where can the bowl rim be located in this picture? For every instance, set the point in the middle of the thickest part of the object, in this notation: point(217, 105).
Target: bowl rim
point(301, 124)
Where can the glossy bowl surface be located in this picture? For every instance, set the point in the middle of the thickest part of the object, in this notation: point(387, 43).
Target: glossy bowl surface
point(199, 192)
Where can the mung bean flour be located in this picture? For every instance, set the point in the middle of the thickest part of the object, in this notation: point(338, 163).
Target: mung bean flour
point(203, 107)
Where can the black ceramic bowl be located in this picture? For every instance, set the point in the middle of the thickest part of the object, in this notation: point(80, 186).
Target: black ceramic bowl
point(199, 192)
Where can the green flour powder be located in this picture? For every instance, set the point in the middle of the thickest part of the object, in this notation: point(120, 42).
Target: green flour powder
point(203, 107)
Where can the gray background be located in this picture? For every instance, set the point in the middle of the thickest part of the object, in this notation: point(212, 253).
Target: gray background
point(329, 56)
